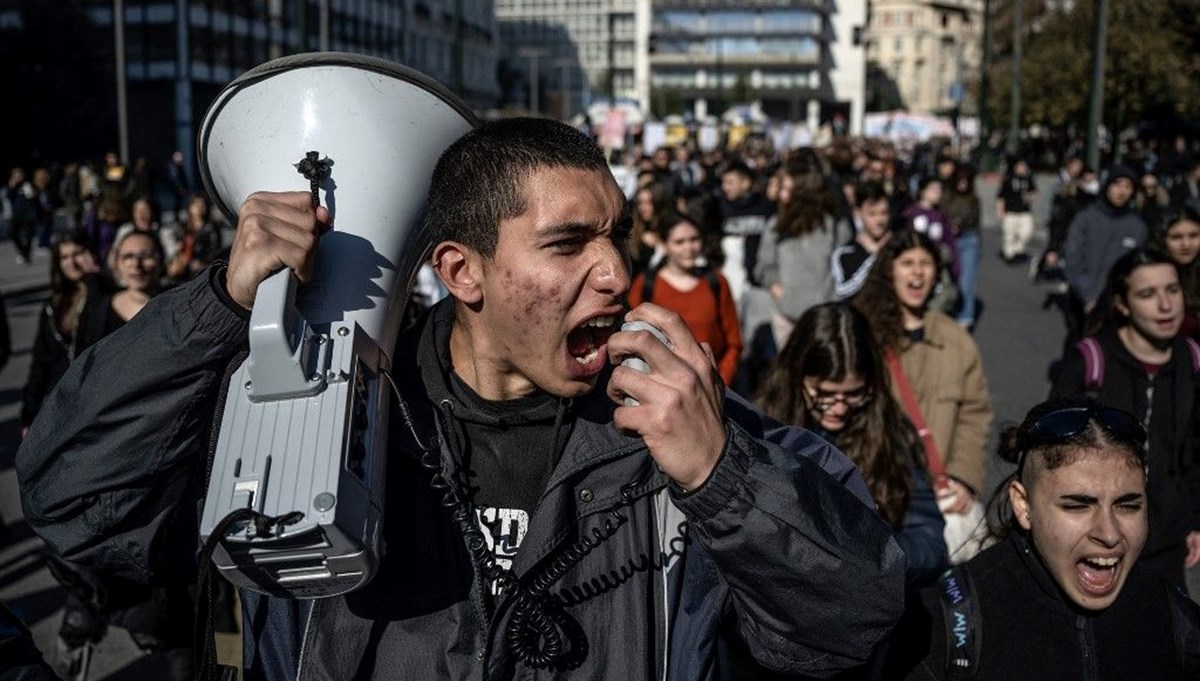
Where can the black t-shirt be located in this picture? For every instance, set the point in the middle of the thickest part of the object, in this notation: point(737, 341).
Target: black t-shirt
point(512, 446)
point(508, 448)
point(1013, 192)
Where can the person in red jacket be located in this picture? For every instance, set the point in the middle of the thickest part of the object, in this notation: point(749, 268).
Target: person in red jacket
point(700, 295)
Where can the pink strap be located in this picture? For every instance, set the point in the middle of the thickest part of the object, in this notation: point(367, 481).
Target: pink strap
point(1093, 362)
point(1195, 348)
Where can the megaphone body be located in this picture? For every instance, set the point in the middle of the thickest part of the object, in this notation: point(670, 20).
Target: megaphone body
point(303, 429)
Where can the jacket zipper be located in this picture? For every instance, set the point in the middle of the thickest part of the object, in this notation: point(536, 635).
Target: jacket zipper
point(1086, 648)
point(304, 641)
point(1149, 402)
point(219, 413)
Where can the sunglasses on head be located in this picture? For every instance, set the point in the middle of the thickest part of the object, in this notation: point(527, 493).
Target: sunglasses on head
point(1064, 424)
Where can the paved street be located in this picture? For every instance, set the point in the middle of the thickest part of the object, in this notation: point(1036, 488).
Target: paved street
point(1017, 337)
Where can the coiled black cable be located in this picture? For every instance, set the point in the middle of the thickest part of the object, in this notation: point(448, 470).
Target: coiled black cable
point(535, 633)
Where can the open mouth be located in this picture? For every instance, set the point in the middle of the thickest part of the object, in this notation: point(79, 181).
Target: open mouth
point(916, 289)
point(1097, 575)
point(585, 343)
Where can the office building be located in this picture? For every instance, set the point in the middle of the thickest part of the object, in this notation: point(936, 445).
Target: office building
point(929, 49)
point(179, 53)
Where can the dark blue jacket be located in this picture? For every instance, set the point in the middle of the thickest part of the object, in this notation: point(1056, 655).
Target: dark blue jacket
point(781, 534)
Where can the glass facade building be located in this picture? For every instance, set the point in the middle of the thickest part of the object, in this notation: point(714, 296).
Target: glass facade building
point(576, 50)
point(180, 53)
point(725, 52)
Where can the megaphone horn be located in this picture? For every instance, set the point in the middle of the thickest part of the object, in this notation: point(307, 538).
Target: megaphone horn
point(304, 424)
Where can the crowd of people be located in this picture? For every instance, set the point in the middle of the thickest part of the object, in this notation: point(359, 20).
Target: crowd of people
point(835, 289)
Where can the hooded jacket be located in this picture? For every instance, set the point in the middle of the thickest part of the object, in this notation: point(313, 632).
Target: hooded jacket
point(1097, 237)
point(782, 534)
point(1167, 406)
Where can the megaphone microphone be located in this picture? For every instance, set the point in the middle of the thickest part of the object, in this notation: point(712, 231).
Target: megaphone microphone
point(295, 496)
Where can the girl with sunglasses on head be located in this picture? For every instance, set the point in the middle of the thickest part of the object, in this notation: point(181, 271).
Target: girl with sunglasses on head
point(1062, 595)
point(936, 371)
point(830, 378)
point(1138, 361)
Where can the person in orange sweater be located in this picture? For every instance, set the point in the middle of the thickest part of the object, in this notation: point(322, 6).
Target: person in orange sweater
point(700, 295)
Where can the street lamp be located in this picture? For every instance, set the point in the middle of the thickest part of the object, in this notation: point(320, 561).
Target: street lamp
point(1014, 126)
point(122, 107)
point(1096, 105)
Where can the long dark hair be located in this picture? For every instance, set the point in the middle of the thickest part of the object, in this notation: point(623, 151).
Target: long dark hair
point(1189, 274)
point(831, 342)
point(67, 297)
point(877, 299)
point(807, 206)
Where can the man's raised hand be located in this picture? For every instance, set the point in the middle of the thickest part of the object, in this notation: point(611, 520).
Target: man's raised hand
point(275, 230)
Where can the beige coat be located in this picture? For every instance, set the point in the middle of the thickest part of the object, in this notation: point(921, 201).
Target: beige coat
point(946, 373)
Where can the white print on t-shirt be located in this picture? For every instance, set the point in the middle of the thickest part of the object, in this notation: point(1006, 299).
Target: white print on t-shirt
point(922, 224)
point(503, 530)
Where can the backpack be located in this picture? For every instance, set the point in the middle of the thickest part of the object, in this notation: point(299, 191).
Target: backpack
point(1093, 361)
point(709, 275)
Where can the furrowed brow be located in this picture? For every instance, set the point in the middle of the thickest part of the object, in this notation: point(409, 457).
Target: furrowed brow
point(1079, 498)
point(1132, 496)
point(566, 230)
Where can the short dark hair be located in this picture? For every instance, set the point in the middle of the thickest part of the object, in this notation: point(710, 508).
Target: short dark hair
point(870, 192)
point(480, 180)
point(740, 168)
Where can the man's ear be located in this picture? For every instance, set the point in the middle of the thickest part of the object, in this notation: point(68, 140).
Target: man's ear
point(461, 270)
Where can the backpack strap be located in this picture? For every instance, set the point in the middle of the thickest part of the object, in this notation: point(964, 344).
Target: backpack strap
point(715, 285)
point(1093, 362)
point(961, 614)
point(648, 284)
point(1185, 624)
point(1194, 348)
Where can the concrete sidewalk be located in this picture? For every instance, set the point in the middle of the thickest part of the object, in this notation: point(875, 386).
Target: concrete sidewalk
point(17, 278)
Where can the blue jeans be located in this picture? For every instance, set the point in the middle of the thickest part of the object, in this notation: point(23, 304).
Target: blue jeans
point(968, 275)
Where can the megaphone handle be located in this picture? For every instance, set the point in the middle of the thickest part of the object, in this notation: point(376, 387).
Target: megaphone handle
point(278, 364)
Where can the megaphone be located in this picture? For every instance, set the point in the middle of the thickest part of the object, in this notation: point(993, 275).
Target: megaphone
point(303, 430)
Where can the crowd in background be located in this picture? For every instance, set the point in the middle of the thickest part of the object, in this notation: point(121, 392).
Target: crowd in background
point(837, 287)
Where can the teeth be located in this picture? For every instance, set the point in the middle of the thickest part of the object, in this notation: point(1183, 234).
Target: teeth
point(601, 322)
point(1104, 562)
point(591, 355)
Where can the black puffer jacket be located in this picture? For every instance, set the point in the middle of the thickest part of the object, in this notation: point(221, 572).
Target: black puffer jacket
point(782, 532)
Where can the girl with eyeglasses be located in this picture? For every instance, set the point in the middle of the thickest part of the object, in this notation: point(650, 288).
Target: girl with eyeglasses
point(830, 378)
point(1063, 594)
point(936, 370)
point(138, 268)
point(1138, 361)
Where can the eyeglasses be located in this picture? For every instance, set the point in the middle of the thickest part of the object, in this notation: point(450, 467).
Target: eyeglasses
point(1066, 423)
point(824, 401)
point(134, 257)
